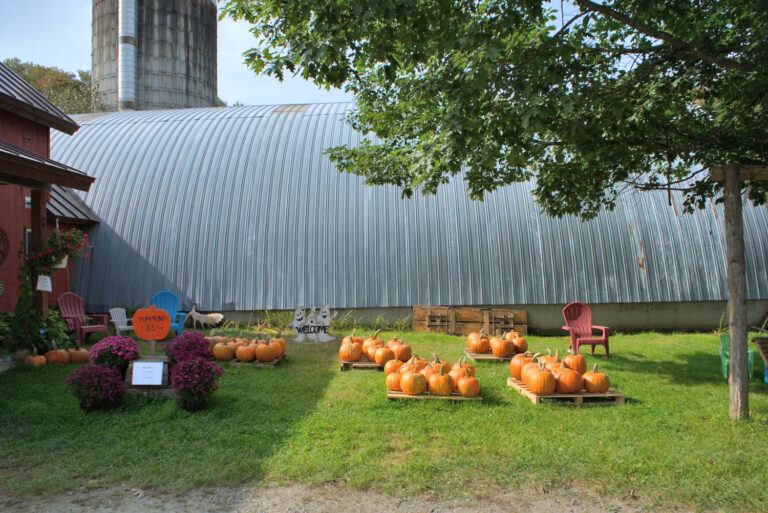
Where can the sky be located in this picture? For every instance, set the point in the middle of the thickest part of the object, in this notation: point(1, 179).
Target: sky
point(58, 33)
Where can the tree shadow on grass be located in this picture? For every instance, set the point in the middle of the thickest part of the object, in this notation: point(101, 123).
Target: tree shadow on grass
point(688, 368)
point(154, 443)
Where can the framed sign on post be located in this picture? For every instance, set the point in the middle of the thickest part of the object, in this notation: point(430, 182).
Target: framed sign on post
point(147, 373)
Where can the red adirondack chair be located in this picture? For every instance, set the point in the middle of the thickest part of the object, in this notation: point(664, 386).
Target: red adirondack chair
point(73, 312)
point(578, 322)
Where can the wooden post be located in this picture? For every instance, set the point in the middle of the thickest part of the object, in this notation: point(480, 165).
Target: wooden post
point(737, 287)
point(39, 236)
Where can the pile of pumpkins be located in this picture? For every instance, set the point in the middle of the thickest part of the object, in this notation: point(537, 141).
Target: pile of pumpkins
point(226, 349)
point(57, 357)
point(502, 346)
point(410, 373)
point(546, 375)
point(417, 376)
point(353, 348)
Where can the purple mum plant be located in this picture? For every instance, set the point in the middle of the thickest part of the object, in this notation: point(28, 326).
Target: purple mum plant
point(115, 351)
point(188, 346)
point(96, 386)
point(195, 380)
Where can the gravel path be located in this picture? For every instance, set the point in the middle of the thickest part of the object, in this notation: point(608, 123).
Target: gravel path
point(304, 499)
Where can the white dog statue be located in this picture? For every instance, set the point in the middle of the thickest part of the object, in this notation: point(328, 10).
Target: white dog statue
point(204, 319)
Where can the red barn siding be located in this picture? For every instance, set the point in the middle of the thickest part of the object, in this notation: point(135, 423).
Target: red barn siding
point(24, 133)
point(15, 218)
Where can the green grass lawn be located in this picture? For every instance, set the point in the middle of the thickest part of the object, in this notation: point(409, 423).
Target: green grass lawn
point(304, 421)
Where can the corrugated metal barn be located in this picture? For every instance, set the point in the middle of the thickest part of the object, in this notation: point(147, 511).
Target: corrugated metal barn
point(237, 209)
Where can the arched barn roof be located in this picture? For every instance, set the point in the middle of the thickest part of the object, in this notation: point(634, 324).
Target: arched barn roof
point(238, 209)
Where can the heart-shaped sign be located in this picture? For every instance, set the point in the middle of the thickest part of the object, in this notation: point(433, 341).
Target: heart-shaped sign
point(151, 323)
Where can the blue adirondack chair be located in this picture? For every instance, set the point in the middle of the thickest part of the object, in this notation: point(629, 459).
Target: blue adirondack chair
point(168, 301)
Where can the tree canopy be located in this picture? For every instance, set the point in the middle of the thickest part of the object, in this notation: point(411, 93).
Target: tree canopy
point(74, 94)
point(587, 97)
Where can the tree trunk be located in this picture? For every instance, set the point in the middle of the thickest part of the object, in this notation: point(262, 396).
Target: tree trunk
point(737, 291)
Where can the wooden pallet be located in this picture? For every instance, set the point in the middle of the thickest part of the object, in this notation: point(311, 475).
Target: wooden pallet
point(453, 397)
point(609, 397)
point(256, 363)
point(485, 357)
point(465, 320)
point(363, 363)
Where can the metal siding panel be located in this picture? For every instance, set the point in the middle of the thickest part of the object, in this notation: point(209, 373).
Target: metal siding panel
point(238, 208)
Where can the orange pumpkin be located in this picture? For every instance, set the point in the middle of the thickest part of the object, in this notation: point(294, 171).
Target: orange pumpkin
point(440, 383)
point(393, 342)
point(35, 360)
point(596, 382)
point(437, 363)
point(529, 367)
point(350, 351)
point(478, 343)
point(265, 352)
point(78, 356)
point(412, 383)
point(468, 385)
point(541, 381)
point(568, 381)
point(392, 366)
point(517, 363)
point(510, 335)
point(403, 351)
point(276, 346)
point(393, 381)
point(462, 364)
point(575, 362)
point(548, 357)
point(212, 341)
point(383, 354)
point(553, 363)
point(280, 340)
point(520, 344)
point(455, 374)
point(245, 353)
point(372, 341)
point(501, 348)
point(352, 338)
point(223, 351)
point(57, 357)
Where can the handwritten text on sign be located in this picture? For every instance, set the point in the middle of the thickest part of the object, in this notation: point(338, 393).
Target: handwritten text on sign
point(151, 323)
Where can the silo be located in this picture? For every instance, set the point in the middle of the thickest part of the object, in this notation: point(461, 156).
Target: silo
point(155, 54)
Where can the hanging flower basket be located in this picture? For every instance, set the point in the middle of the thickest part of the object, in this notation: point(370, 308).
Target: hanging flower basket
point(62, 264)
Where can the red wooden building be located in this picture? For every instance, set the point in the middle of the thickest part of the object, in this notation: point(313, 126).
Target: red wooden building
point(34, 190)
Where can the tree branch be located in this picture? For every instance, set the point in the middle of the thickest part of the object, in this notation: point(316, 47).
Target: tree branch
point(668, 38)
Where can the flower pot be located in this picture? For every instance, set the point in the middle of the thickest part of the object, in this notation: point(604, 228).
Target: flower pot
point(62, 264)
point(190, 402)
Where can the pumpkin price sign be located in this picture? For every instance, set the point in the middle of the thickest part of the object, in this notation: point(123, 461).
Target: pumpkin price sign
point(151, 323)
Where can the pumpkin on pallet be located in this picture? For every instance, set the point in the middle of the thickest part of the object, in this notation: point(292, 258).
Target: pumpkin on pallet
point(223, 351)
point(468, 385)
point(266, 352)
point(350, 350)
point(501, 348)
point(371, 344)
point(478, 342)
point(596, 382)
point(403, 351)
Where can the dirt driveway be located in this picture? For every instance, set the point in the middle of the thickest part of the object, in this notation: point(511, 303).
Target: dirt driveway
point(305, 499)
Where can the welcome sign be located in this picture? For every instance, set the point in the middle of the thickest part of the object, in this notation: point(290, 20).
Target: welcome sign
point(314, 325)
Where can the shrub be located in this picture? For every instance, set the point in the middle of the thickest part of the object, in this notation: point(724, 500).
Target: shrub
point(187, 346)
point(195, 380)
point(96, 386)
point(115, 351)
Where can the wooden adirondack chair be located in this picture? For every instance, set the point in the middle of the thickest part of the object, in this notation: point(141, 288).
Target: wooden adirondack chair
point(120, 320)
point(578, 322)
point(73, 312)
point(168, 301)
